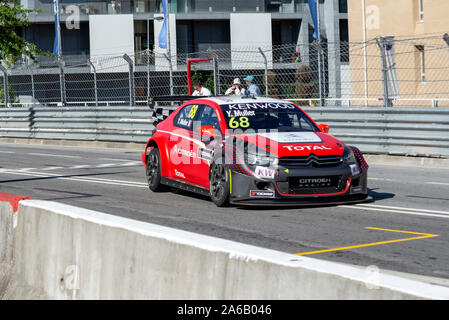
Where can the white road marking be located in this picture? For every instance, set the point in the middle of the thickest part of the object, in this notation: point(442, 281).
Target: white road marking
point(79, 179)
point(84, 166)
point(105, 165)
point(402, 208)
point(53, 155)
point(7, 152)
point(383, 179)
point(80, 166)
point(408, 182)
point(438, 183)
point(51, 168)
point(110, 159)
point(414, 212)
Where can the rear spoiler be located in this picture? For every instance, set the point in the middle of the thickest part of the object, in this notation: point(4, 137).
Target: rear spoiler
point(153, 101)
point(160, 113)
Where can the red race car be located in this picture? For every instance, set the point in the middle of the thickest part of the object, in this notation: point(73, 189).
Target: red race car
point(252, 151)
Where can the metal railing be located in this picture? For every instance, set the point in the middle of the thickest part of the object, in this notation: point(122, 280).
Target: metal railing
point(398, 131)
point(381, 72)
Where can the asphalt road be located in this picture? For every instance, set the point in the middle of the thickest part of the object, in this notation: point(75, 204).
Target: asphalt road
point(405, 229)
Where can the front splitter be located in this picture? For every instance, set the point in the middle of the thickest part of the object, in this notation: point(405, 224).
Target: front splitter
point(316, 202)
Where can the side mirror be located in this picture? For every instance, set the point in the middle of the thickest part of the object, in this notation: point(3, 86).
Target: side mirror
point(324, 128)
point(208, 131)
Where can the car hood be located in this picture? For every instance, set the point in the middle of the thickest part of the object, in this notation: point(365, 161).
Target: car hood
point(288, 144)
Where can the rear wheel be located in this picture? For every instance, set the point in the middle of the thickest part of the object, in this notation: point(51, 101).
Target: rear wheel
point(154, 171)
point(219, 187)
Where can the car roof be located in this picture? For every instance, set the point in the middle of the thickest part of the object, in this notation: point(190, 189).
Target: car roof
point(222, 100)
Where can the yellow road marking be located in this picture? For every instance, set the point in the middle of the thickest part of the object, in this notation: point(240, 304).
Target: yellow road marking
point(421, 236)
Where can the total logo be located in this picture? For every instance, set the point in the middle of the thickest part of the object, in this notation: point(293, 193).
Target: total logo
point(179, 174)
point(310, 148)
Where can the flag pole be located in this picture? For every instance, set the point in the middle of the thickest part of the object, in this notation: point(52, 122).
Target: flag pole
point(169, 47)
point(58, 33)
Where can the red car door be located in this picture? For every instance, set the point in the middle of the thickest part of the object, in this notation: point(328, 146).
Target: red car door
point(180, 144)
point(202, 145)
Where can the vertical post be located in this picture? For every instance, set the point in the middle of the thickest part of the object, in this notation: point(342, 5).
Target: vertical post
point(170, 70)
point(33, 94)
point(148, 75)
point(62, 82)
point(365, 58)
point(214, 60)
point(5, 85)
point(266, 70)
point(131, 79)
point(319, 53)
point(148, 60)
point(217, 76)
point(170, 66)
point(381, 43)
point(95, 81)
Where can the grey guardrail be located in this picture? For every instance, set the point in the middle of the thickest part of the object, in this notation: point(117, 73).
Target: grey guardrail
point(122, 124)
point(410, 131)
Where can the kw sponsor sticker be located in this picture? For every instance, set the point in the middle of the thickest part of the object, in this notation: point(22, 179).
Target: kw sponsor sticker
point(264, 172)
point(261, 193)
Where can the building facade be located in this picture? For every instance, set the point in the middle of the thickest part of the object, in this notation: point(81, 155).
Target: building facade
point(414, 34)
point(200, 24)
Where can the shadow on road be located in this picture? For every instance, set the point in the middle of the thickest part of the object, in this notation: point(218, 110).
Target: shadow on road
point(377, 196)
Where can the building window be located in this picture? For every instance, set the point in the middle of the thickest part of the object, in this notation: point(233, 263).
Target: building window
point(422, 60)
point(421, 10)
point(343, 6)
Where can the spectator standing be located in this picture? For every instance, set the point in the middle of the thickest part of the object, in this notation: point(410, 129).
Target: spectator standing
point(200, 90)
point(236, 89)
point(252, 89)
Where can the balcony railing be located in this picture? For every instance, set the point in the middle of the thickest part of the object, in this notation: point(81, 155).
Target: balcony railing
point(175, 6)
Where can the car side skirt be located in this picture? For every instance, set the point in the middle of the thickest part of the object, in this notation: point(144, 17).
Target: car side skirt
point(185, 186)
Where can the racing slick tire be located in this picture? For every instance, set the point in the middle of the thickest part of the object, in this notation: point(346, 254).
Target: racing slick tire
point(153, 171)
point(219, 187)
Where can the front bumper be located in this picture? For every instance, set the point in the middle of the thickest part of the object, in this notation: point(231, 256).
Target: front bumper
point(336, 185)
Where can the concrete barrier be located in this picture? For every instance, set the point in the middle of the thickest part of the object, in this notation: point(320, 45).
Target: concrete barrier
point(63, 252)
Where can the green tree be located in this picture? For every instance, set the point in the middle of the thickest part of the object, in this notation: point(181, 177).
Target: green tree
point(12, 95)
point(14, 16)
point(206, 78)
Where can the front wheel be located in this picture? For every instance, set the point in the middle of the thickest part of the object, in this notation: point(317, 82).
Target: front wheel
point(219, 186)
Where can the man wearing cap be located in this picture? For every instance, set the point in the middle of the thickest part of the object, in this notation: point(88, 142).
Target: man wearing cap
point(252, 89)
point(236, 89)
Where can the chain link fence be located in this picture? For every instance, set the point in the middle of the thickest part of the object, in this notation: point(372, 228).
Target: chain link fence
point(385, 71)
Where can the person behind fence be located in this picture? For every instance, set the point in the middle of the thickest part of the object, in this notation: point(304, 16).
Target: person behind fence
point(236, 89)
point(200, 90)
point(252, 89)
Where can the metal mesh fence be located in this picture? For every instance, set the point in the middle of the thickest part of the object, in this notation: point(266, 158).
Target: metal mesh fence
point(383, 71)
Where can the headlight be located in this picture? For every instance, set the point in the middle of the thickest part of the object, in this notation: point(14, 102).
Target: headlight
point(349, 158)
point(259, 160)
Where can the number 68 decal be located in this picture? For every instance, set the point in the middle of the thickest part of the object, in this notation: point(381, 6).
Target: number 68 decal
point(242, 122)
point(192, 112)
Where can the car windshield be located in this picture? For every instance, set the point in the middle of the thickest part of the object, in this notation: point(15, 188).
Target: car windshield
point(280, 116)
